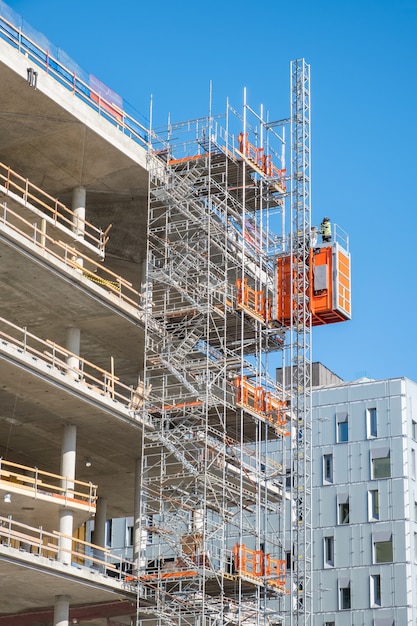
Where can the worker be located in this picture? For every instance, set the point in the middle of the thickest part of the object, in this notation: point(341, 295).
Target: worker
point(326, 230)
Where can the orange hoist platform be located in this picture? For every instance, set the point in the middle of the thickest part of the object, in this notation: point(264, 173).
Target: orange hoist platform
point(329, 286)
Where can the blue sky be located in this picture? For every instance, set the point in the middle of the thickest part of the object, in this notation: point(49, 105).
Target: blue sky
point(363, 58)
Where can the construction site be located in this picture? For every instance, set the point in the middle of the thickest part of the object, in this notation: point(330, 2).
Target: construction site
point(153, 280)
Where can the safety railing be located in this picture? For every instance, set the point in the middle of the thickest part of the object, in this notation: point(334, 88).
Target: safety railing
point(72, 258)
point(34, 197)
point(262, 161)
point(51, 354)
point(39, 482)
point(257, 565)
point(257, 400)
point(53, 545)
point(341, 237)
point(68, 79)
point(253, 301)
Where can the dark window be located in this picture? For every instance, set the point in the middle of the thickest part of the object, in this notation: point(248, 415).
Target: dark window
point(381, 467)
point(342, 432)
point(344, 512)
point(372, 423)
point(329, 551)
point(376, 590)
point(345, 600)
point(383, 552)
point(328, 468)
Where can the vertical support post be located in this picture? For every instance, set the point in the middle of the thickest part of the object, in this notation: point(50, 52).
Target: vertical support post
point(68, 455)
point(78, 206)
point(61, 611)
point(43, 232)
point(100, 529)
point(137, 525)
point(73, 345)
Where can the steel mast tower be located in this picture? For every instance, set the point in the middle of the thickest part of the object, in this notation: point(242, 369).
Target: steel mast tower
point(301, 341)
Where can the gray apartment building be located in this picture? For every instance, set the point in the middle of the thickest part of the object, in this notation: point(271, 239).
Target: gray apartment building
point(364, 502)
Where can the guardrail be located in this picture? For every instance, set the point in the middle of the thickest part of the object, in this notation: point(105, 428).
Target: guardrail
point(71, 257)
point(34, 197)
point(27, 46)
point(51, 354)
point(51, 544)
point(41, 482)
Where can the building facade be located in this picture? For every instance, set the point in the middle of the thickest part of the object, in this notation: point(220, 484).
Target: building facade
point(365, 503)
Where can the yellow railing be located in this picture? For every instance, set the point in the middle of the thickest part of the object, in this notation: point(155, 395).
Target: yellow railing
point(38, 481)
point(33, 196)
point(71, 257)
point(53, 544)
point(94, 377)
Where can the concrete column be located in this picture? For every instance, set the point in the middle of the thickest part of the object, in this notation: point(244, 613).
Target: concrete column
point(68, 455)
point(100, 522)
point(137, 536)
point(78, 206)
point(73, 345)
point(61, 611)
point(100, 530)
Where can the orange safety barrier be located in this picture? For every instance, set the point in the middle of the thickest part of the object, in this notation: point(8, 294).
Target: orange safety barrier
point(167, 575)
point(249, 395)
point(275, 410)
point(256, 564)
point(253, 301)
point(274, 172)
point(261, 160)
point(258, 400)
point(256, 155)
point(275, 571)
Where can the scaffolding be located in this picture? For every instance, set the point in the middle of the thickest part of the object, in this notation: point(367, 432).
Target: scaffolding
point(214, 466)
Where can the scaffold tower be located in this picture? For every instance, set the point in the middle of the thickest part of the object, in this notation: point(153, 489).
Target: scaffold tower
point(227, 286)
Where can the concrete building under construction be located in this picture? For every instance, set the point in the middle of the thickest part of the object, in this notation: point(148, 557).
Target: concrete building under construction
point(148, 275)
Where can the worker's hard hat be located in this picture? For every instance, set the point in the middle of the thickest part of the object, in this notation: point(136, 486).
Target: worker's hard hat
point(326, 219)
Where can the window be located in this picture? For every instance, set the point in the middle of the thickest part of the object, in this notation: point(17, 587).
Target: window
point(373, 504)
point(414, 430)
point(382, 543)
point(415, 511)
point(288, 560)
point(327, 468)
point(342, 508)
point(413, 464)
point(342, 427)
point(344, 595)
point(415, 547)
point(380, 463)
point(375, 590)
point(329, 552)
point(109, 532)
point(129, 535)
point(371, 422)
point(329, 623)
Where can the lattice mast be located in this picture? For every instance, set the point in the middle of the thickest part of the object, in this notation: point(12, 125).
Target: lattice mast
point(301, 604)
